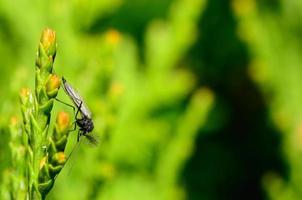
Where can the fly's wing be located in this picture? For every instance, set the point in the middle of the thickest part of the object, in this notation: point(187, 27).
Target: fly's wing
point(76, 98)
point(92, 139)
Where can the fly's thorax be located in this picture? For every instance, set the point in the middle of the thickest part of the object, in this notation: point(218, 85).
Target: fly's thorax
point(85, 124)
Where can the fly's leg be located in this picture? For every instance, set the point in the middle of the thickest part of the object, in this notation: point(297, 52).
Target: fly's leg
point(75, 126)
point(79, 108)
point(76, 118)
point(80, 133)
point(73, 108)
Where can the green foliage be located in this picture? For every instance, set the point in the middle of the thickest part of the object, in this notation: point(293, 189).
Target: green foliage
point(273, 36)
point(146, 138)
point(131, 61)
point(146, 107)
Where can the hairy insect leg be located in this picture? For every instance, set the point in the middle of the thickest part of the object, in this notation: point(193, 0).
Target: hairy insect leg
point(75, 126)
point(76, 115)
point(79, 135)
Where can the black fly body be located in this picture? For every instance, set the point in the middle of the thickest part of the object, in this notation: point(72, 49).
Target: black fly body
point(84, 122)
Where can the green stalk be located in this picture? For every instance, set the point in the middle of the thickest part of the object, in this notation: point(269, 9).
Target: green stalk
point(37, 157)
point(44, 104)
point(45, 155)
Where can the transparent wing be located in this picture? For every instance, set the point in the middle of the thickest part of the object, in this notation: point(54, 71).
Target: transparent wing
point(92, 139)
point(76, 98)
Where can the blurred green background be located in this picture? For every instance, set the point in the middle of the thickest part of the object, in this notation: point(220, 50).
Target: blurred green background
point(191, 99)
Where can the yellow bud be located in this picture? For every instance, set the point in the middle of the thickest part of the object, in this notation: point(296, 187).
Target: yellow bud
point(13, 120)
point(25, 96)
point(48, 41)
point(59, 158)
point(24, 92)
point(113, 37)
point(53, 83)
point(63, 121)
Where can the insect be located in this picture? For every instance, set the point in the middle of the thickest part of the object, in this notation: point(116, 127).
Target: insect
point(84, 122)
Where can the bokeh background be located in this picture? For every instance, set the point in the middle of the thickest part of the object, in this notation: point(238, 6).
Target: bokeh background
point(192, 99)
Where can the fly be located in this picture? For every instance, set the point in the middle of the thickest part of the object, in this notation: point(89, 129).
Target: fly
point(84, 122)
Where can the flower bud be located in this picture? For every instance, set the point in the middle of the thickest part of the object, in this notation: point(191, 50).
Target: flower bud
point(13, 121)
point(25, 95)
point(58, 159)
point(63, 121)
point(48, 41)
point(52, 85)
point(113, 37)
point(25, 92)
